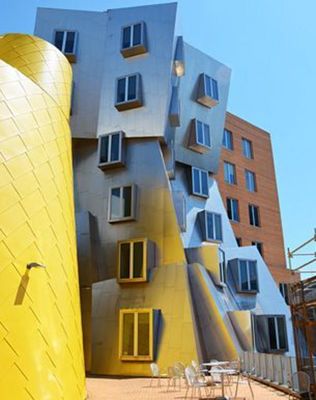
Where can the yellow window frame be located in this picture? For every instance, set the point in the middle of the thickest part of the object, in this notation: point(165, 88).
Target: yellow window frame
point(131, 256)
point(136, 312)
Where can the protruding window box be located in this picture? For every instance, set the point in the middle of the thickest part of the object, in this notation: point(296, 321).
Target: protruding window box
point(271, 333)
point(199, 182)
point(122, 204)
point(207, 91)
point(174, 111)
point(245, 275)
point(200, 137)
point(66, 42)
point(111, 151)
point(211, 226)
point(134, 40)
point(128, 92)
point(136, 258)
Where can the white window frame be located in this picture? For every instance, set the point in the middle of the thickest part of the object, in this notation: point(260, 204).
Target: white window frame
point(230, 165)
point(204, 132)
point(110, 135)
point(200, 171)
point(253, 215)
point(247, 149)
point(251, 184)
point(212, 95)
point(133, 204)
point(137, 94)
point(248, 290)
point(276, 328)
point(131, 260)
point(65, 33)
point(142, 35)
point(231, 200)
point(214, 238)
point(225, 141)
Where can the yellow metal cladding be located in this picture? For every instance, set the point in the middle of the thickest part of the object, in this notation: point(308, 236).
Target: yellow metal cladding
point(40, 330)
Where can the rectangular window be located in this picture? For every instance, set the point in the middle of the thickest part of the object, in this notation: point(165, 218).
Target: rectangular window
point(239, 241)
point(247, 148)
point(250, 178)
point(230, 173)
point(134, 40)
point(232, 209)
point(247, 276)
point(254, 215)
point(132, 260)
point(284, 291)
point(207, 91)
point(277, 333)
point(136, 334)
point(200, 136)
point(211, 225)
point(228, 140)
point(128, 92)
point(259, 246)
point(199, 182)
point(110, 150)
point(122, 203)
point(66, 42)
point(222, 267)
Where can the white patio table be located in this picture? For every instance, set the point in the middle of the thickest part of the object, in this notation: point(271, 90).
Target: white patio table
point(222, 373)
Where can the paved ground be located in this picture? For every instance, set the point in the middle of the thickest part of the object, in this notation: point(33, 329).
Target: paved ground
point(138, 389)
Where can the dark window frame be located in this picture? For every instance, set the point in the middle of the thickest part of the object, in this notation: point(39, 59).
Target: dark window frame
point(230, 209)
point(252, 219)
point(245, 147)
point(225, 143)
point(227, 163)
point(248, 272)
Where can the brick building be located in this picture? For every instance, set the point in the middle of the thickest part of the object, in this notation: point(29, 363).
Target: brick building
point(247, 183)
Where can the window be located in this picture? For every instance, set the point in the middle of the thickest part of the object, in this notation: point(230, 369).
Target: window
point(211, 224)
point(134, 40)
point(247, 276)
point(66, 42)
point(259, 246)
point(136, 334)
point(239, 241)
point(200, 136)
point(132, 260)
point(128, 92)
point(207, 91)
point(230, 173)
point(222, 267)
point(250, 178)
point(232, 209)
point(110, 150)
point(228, 140)
point(284, 291)
point(122, 202)
point(247, 148)
point(199, 182)
point(253, 215)
point(277, 333)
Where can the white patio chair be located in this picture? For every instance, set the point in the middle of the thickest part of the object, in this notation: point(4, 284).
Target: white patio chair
point(179, 369)
point(198, 368)
point(300, 383)
point(195, 384)
point(155, 374)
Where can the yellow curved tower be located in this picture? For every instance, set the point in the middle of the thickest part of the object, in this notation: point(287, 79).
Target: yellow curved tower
point(41, 355)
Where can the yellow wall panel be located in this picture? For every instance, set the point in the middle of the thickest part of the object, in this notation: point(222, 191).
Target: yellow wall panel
point(40, 327)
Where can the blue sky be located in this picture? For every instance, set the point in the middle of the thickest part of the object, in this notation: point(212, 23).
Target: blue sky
point(270, 47)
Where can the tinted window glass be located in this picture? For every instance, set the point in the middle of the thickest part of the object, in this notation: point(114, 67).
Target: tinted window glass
point(208, 86)
point(143, 334)
point(104, 148)
point(125, 254)
point(137, 34)
point(127, 201)
point(115, 203)
point(218, 227)
point(128, 334)
point(210, 226)
point(199, 128)
point(207, 136)
point(253, 275)
point(131, 88)
point(59, 37)
point(282, 332)
point(196, 181)
point(115, 147)
point(121, 90)
point(138, 260)
point(126, 37)
point(243, 275)
point(70, 42)
point(272, 334)
point(204, 183)
point(214, 89)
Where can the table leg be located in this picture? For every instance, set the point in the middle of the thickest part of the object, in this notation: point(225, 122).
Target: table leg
point(222, 379)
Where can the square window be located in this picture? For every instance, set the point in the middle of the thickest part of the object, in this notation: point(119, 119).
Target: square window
point(199, 182)
point(250, 178)
point(230, 173)
point(128, 92)
point(200, 137)
point(111, 150)
point(211, 226)
point(228, 140)
point(254, 215)
point(247, 276)
point(247, 148)
point(136, 331)
point(134, 41)
point(66, 42)
point(132, 260)
point(232, 209)
point(122, 203)
point(207, 91)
